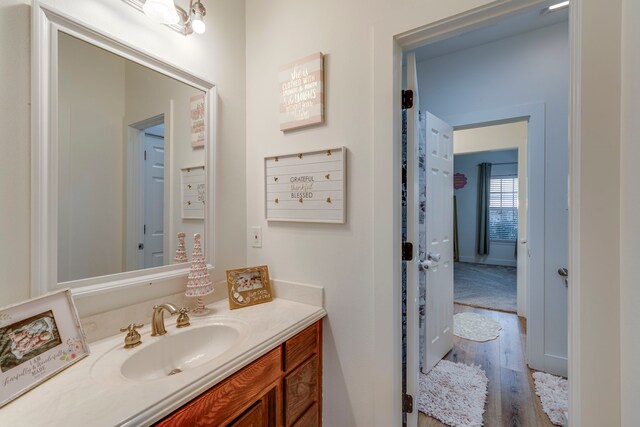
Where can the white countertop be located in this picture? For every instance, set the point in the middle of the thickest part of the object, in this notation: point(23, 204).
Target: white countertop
point(78, 397)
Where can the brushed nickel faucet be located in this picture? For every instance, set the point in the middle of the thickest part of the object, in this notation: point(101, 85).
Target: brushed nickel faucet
point(157, 321)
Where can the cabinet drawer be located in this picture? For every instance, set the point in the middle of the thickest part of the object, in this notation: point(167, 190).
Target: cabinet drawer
point(300, 347)
point(301, 389)
point(310, 418)
point(218, 404)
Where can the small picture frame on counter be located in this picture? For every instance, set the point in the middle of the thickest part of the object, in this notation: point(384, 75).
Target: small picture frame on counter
point(248, 286)
point(38, 339)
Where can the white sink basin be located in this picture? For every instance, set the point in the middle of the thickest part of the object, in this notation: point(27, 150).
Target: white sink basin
point(176, 351)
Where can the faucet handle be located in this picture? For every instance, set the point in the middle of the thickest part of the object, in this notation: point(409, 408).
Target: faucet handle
point(133, 337)
point(183, 318)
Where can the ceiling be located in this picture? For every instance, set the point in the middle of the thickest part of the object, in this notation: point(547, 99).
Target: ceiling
point(528, 20)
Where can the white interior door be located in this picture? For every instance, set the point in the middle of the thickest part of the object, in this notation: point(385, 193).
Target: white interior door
point(430, 229)
point(413, 347)
point(436, 260)
point(154, 197)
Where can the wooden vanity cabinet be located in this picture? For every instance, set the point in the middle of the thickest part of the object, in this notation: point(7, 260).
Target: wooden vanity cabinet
point(282, 388)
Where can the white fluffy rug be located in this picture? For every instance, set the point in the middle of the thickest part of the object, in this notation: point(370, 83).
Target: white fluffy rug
point(454, 393)
point(476, 327)
point(554, 395)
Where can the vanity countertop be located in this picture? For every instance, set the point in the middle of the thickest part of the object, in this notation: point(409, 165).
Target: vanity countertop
point(79, 397)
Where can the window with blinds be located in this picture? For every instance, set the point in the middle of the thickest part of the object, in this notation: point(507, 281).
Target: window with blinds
point(503, 208)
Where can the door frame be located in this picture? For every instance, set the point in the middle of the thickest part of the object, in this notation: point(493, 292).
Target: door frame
point(389, 41)
point(534, 113)
point(134, 181)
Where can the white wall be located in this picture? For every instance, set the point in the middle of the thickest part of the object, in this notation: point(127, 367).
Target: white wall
point(523, 69)
point(218, 56)
point(14, 151)
point(91, 170)
point(630, 212)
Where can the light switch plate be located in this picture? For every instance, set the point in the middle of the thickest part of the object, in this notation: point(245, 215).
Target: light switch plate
point(256, 237)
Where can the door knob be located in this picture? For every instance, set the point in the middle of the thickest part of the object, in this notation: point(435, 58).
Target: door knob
point(433, 257)
point(563, 272)
point(424, 264)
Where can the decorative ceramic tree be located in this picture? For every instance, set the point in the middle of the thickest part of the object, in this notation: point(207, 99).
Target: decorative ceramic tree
point(198, 283)
point(181, 252)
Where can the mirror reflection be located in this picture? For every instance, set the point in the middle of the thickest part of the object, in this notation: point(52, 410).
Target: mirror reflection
point(131, 163)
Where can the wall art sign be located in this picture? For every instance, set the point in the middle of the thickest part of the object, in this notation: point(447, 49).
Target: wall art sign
point(301, 92)
point(198, 130)
point(459, 181)
point(306, 187)
point(248, 286)
point(38, 339)
point(193, 192)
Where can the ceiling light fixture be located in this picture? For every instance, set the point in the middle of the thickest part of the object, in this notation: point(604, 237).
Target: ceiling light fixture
point(168, 13)
point(556, 6)
point(161, 11)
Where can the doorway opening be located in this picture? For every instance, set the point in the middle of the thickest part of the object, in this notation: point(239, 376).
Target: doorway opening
point(490, 220)
point(145, 220)
point(514, 71)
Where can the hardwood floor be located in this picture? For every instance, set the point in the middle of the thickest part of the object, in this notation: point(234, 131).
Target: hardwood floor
point(511, 399)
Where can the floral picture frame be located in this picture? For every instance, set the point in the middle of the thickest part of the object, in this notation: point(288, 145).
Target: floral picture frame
point(38, 339)
point(248, 286)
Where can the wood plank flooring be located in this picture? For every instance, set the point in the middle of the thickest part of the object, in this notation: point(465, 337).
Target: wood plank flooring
point(511, 399)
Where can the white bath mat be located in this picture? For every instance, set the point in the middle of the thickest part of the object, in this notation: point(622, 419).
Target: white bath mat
point(454, 393)
point(475, 327)
point(554, 395)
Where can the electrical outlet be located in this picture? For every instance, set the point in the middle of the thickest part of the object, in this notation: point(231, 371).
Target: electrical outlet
point(256, 237)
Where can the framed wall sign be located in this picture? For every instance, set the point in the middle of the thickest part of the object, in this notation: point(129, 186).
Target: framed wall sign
point(193, 192)
point(198, 133)
point(38, 339)
point(306, 187)
point(248, 286)
point(301, 92)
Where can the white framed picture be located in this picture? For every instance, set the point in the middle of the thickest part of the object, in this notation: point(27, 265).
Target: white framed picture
point(302, 92)
point(192, 182)
point(38, 338)
point(306, 187)
point(197, 116)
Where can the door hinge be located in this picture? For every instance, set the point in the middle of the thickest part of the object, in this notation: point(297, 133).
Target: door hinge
point(407, 403)
point(144, 229)
point(145, 154)
point(407, 99)
point(407, 251)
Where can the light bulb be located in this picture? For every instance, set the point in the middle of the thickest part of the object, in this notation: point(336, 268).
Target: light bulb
point(198, 24)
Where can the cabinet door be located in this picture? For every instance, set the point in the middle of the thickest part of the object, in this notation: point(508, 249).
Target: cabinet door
point(252, 418)
point(301, 389)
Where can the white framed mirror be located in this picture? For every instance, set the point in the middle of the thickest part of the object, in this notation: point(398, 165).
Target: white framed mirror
point(122, 160)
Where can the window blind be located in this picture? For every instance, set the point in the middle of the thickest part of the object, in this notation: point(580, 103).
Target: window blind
point(503, 208)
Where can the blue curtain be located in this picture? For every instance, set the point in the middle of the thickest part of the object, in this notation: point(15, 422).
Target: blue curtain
point(484, 188)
